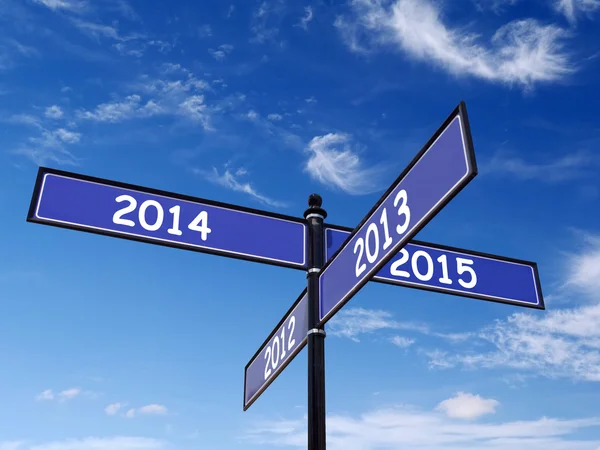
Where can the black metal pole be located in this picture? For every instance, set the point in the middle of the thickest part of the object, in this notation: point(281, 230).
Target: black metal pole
point(315, 215)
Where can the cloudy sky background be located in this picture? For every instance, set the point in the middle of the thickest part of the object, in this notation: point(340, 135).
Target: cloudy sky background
point(114, 345)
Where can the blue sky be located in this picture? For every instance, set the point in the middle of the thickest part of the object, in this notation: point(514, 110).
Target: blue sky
point(116, 345)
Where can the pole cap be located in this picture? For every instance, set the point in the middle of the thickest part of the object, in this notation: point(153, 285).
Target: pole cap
point(314, 206)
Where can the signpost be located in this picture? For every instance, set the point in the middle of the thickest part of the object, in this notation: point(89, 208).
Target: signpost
point(444, 166)
point(126, 211)
point(339, 261)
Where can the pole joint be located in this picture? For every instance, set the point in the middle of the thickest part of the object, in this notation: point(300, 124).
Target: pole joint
point(316, 331)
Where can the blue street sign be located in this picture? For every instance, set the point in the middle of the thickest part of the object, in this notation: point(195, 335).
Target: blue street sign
point(455, 271)
point(126, 211)
point(444, 166)
point(283, 344)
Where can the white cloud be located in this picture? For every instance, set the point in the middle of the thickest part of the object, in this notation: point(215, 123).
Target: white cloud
point(583, 269)
point(352, 322)
point(53, 112)
point(66, 5)
point(135, 49)
point(46, 395)
point(521, 52)
point(334, 163)
point(67, 394)
point(310, 100)
point(402, 342)
point(195, 109)
point(557, 343)
point(69, 137)
point(95, 443)
point(573, 8)
point(129, 108)
point(467, 406)
point(265, 21)
point(180, 97)
point(562, 343)
point(162, 46)
point(497, 6)
point(166, 89)
point(50, 146)
point(252, 115)
point(568, 167)
point(153, 409)
point(125, 9)
point(231, 180)
point(274, 117)
point(96, 30)
point(25, 119)
point(308, 16)
point(411, 428)
point(219, 55)
point(221, 52)
point(113, 408)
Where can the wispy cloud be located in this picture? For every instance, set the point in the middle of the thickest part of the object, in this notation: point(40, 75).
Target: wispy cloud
point(90, 443)
point(178, 94)
point(266, 20)
point(334, 162)
point(304, 20)
point(12, 51)
point(53, 112)
point(496, 6)
point(124, 8)
point(113, 408)
point(572, 9)
point(96, 30)
point(51, 145)
point(402, 342)
point(410, 427)
point(74, 6)
point(195, 109)
point(560, 343)
point(568, 167)
point(352, 322)
point(231, 179)
point(67, 394)
point(221, 53)
point(129, 108)
point(583, 269)
point(274, 117)
point(153, 409)
point(522, 52)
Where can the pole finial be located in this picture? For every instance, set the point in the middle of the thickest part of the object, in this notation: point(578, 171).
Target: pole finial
point(314, 206)
point(315, 201)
